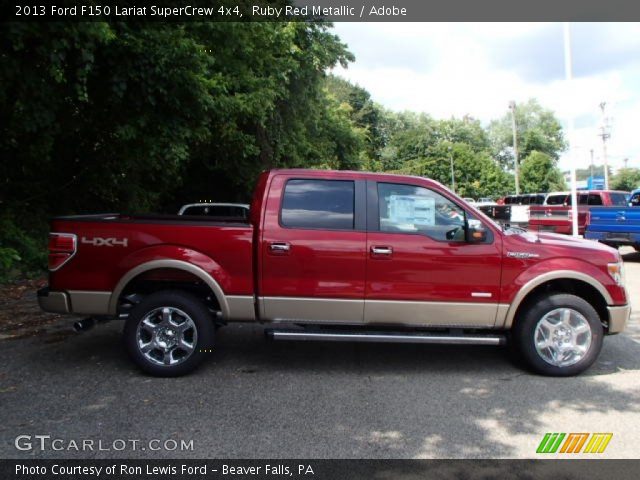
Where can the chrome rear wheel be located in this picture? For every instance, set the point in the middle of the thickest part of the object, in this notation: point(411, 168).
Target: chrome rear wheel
point(167, 336)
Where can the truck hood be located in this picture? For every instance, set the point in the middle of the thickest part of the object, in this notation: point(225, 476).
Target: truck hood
point(552, 244)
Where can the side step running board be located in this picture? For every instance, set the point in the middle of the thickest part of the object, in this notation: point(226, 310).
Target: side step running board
point(386, 337)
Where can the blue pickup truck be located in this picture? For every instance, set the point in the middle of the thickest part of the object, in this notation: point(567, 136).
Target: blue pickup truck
point(616, 226)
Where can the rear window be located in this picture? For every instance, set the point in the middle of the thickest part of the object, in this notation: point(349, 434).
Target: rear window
point(322, 204)
point(618, 199)
point(556, 199)
point(217, 211)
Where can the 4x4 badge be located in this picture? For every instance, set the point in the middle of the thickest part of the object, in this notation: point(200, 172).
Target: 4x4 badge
point(105, 242)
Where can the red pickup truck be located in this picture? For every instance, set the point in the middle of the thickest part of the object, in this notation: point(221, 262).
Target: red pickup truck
point(555, 215)
point(338, 256)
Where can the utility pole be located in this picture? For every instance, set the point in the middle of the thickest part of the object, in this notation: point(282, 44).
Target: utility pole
point(591, 166)
point(512, 107)
point(604, 134)
point(453, 178)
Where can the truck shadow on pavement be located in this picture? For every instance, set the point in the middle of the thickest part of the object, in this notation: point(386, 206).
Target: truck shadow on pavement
point(256, 399)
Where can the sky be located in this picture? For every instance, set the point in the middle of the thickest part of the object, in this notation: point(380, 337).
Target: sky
point(457, 69)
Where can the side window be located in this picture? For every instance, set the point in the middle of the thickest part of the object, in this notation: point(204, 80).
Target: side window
point(595, 199)
point(321, 204)
point(411, 209)
point(635, 200)
point(582, 199)
point(619, 199)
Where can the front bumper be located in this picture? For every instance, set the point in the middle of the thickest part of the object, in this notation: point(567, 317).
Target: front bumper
point(53, 302)
point(618, 317)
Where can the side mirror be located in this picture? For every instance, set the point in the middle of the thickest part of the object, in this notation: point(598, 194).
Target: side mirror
point(476, 231)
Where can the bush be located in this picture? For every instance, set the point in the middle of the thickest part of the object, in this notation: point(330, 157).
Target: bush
point(22, 251)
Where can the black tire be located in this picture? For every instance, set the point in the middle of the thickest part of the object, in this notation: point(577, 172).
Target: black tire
point(524, 330)
point(198, 334)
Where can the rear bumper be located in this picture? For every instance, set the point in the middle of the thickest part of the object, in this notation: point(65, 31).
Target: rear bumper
point(75, 301)
point(618, 317)
point(53, 302)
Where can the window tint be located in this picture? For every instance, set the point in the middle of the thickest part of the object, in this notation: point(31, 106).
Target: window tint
point(410, 209)
point(327, 204)
point(595, 199)
point(618, 199)
point(635, 200)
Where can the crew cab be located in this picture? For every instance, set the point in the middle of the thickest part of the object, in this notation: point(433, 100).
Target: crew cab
point(338, 256)
point(555, 215)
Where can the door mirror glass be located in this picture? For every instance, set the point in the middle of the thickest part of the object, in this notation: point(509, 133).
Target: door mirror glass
point(476, 231)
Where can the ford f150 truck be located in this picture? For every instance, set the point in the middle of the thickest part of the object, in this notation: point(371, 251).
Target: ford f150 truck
point(555, 215)
point(339, 256)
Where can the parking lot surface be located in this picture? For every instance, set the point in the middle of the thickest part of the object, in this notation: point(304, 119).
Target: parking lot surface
point(259, 399)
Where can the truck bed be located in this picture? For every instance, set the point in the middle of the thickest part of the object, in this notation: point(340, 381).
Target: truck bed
point(110, 245)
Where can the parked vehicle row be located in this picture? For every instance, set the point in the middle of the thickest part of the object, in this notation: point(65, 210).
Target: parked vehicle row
point(556, 215)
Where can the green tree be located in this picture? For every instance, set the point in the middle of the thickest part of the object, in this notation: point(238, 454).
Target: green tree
point(132, 116)
point(626, 179)
point(537, 130)
point(538, 173)
point(476, 174)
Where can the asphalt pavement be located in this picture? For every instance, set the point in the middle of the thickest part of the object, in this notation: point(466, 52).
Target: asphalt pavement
point(260, 399)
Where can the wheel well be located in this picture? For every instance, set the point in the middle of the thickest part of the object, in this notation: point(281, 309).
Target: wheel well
point(571, 286)
point(159, 279)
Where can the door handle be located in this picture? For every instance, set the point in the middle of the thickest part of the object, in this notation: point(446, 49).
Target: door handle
point(381, 250)
point(279, 247)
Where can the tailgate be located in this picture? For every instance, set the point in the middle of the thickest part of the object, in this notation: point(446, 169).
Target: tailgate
point(614, 219)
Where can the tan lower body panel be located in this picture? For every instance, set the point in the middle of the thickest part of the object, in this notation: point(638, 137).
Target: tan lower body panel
point(431, 314)
point(312, 310)
point(241, 308)
point(388, 312)
point(89, 303)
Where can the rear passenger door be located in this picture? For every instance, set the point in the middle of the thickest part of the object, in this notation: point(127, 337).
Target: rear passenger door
point(313, 250)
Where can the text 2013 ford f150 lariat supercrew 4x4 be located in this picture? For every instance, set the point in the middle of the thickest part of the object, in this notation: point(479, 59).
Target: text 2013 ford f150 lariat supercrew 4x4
point(343, 256)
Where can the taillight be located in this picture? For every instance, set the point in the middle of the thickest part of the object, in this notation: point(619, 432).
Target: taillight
point(62, 246)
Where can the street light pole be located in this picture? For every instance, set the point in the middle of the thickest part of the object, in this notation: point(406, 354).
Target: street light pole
point(568, 71)
point(512, 107)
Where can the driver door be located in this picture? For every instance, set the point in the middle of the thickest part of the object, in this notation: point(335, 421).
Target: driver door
point(420, 269)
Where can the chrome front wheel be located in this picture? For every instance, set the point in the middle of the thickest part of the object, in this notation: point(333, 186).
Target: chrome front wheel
point(562, 337)
point(557, 334)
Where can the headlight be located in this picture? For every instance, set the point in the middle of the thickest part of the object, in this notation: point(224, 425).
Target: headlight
point(616, 270)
